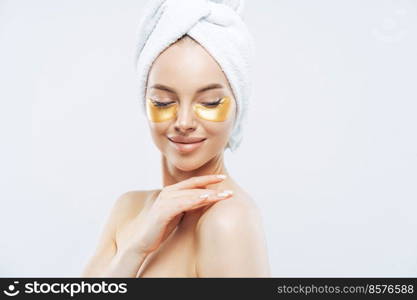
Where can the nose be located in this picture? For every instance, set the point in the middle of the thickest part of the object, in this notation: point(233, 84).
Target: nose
point(185, 121)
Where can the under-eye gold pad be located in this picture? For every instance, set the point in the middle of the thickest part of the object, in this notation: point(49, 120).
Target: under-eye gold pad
point(217, 113)
point(160, 113)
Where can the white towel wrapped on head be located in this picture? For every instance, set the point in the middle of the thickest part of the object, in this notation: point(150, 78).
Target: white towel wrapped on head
point(215, 25)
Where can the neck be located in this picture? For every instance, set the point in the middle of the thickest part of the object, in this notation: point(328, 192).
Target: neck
point(172, 175)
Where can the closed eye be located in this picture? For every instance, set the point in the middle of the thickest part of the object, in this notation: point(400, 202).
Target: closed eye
point(212, 104)
point(161, 104)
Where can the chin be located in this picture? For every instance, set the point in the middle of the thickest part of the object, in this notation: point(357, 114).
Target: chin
point(186, 164)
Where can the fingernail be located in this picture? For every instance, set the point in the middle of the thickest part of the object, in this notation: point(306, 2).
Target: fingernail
point(225, 193)
point(221, 176)
point(204, 196)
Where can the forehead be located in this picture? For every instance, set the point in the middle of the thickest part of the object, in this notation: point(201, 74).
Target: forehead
point(186, 66)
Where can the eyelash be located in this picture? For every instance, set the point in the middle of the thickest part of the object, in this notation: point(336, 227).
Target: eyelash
point(213, 104)
point(208, 104)
point(161, 104)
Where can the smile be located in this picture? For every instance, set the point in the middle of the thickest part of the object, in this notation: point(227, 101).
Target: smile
point(185, 145)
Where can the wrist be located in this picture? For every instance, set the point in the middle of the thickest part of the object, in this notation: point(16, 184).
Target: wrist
point(125, 263)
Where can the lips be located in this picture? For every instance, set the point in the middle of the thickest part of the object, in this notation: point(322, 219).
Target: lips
point(185, 139)
point(186, 144)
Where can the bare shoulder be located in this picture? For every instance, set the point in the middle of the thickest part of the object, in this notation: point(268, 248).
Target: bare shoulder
point(130, 203)
point(228, 213)
point(135, 198)
point(230, 240)
point(124, 207)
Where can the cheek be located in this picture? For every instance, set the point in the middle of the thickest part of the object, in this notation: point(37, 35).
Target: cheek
point(158, 132)
point(219, 131)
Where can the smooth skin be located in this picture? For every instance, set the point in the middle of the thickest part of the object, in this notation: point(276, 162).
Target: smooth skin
point(190, 227)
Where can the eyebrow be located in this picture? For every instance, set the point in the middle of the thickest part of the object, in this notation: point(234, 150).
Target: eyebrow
point(204, 89)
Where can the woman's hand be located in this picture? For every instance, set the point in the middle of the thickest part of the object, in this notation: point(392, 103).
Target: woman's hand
point(168, 208)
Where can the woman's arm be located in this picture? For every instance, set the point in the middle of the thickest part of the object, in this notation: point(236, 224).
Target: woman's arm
point(108, 261)
point(231, 242)
point(125, 263)
point(151, 229)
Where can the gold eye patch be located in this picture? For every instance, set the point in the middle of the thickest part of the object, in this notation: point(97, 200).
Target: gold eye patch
point(216, 113)
point(157, 113)
point(164, 112)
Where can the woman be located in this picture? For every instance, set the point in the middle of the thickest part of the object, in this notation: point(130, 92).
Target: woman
point(201, 223)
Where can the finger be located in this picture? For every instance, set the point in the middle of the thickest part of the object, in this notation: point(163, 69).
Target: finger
point(199, 199)
point(172, 197)
point(197, 181)
point(184, 195)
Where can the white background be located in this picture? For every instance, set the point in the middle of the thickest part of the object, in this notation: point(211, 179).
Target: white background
point(329, 150)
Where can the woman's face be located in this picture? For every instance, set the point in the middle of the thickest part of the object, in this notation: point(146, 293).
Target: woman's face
point(188, 99)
